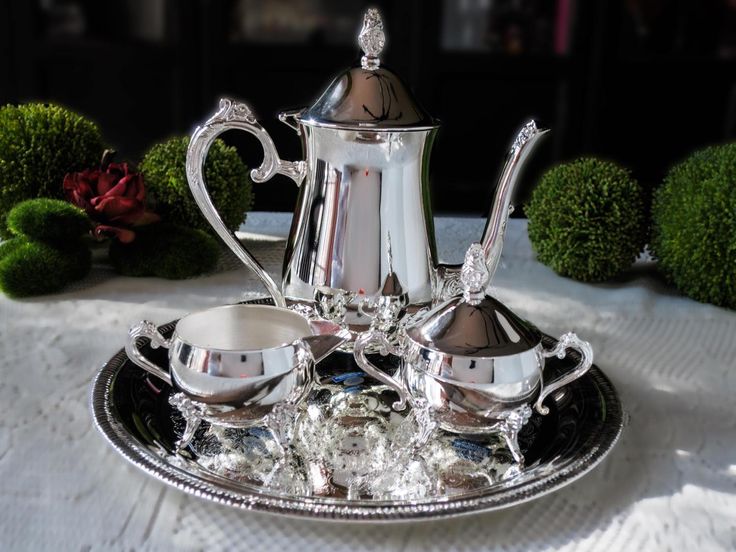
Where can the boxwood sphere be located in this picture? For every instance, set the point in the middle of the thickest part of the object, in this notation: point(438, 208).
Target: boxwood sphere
point(694, 225)
point(166, 251)
point(225, 174)
point(52, 221)
point(587, 219)
point(34, 268)
point(39, 144)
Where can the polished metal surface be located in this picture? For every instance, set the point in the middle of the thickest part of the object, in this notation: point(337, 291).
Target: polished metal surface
point(468, 474)
point(493, 234)
point(369, 96)
point(473, 324)
point(231, 363)
point(470, 365)
point(370, 99)
point(364, 190)
point(236, 115)
point(489, 329)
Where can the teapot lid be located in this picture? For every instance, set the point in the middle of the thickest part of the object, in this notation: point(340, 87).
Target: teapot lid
point(368, 96)
point(474, 324)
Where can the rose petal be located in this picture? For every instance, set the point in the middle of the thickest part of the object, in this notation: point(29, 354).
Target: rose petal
point(131, 186)
point(105, 182)
point(141, 195)
point(77, 190)
point(123, 235)
point(116, 206)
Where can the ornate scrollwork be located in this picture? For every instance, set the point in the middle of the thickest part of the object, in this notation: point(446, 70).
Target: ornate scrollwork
point(230, 110)
point(526, 133)
point(448, 284)
point(567, 341)
point(193, 413)
point(474, 276)
point(372, 39)
point(511, 424)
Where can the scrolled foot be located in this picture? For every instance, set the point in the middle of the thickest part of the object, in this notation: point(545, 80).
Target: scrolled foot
point(192, 412)
point(513, 421)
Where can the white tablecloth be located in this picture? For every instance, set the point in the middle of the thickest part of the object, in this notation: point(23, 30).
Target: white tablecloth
point(669, 484)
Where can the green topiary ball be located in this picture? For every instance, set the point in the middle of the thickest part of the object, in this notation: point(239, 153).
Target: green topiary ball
point(51, 221)
point(694, 225)
point(34, 268)
point(39, 144)
point(587, 219)
point(225, 174)
point(9, 246)
point(166, 251)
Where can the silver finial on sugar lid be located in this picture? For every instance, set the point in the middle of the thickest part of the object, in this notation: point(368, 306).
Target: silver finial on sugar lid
point(474, 275)
point(371, 39)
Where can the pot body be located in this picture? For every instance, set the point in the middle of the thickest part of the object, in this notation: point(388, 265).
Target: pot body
point(469, 394)
point(363, 217)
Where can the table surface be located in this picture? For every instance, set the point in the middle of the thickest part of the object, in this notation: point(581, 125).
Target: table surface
point(670, 483)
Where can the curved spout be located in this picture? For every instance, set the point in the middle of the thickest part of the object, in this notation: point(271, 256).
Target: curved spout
point(448, 276)
point(493, 234)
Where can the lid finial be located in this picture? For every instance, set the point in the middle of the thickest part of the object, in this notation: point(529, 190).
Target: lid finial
point(474, 275)
point(371, 39)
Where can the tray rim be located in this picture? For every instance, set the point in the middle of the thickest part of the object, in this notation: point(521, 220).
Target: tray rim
point(342, 510)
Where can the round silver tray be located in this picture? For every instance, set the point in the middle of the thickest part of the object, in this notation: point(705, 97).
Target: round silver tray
point(132, 412)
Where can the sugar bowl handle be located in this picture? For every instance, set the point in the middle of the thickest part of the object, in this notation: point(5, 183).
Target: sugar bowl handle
point(149, 330)
point(236, 115)
point(566, 341)
point(377, 339)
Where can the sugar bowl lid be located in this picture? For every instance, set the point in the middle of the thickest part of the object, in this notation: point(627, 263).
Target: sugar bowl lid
point(368, 96)
point(474, 324)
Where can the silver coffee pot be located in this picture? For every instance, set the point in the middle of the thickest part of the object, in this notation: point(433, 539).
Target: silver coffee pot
point(363, 224)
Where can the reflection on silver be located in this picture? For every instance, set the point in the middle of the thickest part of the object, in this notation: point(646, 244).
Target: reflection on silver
point(470, 365)
point(231, 366)
point(365, 177)
point(231, 115)
point(359, 431)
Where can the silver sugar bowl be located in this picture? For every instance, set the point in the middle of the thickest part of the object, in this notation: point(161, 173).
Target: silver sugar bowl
point(470, 365)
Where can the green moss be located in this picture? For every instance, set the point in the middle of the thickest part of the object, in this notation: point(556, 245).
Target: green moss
point(587, 219)
point(51, 221)
point(694, 225)
point(225, 173)
point(34, 268)
point(39, 144)
point(166, 251)
point(8, 246)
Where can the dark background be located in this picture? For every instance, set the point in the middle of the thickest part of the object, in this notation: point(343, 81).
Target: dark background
point(643, 82)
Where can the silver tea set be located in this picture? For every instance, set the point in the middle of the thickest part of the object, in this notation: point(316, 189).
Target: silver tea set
point(361, 277)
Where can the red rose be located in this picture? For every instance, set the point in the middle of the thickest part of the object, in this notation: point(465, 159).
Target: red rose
point(114, 198)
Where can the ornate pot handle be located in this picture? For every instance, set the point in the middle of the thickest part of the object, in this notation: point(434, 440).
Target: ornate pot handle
point(236, 115)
